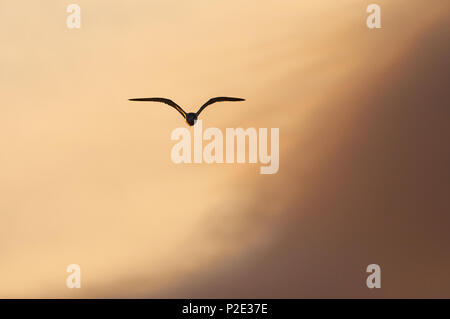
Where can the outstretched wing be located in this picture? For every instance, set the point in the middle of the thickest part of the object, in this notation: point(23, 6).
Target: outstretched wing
point(218, 99)
point(162, 100)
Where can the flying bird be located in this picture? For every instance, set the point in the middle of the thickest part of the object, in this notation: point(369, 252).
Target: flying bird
point(191, 118)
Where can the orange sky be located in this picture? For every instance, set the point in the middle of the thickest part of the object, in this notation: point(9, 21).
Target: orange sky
point(86, 176)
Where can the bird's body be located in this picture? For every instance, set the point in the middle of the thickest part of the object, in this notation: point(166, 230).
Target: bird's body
point(191, 118)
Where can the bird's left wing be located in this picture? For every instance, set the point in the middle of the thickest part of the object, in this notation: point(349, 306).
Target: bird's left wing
point(162, 100)
point(219, 99)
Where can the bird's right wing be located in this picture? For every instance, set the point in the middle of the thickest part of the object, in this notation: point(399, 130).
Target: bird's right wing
point(218, 99)
point(162, 100)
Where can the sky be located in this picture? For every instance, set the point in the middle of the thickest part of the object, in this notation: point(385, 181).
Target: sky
point(87, 177)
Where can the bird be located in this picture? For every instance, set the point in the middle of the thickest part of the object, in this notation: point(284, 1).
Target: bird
point(191, 118)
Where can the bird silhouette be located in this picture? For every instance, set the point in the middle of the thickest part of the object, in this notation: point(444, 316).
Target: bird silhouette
point(191, 118)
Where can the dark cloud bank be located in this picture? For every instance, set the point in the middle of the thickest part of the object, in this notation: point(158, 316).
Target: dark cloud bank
point(381, 196)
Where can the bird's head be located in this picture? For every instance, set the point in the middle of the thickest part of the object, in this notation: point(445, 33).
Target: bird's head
point(191, 118)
